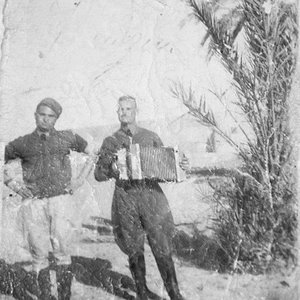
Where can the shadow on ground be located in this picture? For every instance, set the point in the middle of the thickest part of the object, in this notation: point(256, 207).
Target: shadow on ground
point(97, 272)
point(200, 250)
point(17, 282)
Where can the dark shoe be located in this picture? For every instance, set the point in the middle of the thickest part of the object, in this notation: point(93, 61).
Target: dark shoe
point(64, 277)
point(143, 291)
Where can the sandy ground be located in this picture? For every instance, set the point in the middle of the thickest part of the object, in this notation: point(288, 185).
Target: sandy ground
point(195, 283)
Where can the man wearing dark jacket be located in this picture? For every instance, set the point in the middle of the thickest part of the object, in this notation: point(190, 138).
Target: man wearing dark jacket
point(139, 206)
point(47, 202)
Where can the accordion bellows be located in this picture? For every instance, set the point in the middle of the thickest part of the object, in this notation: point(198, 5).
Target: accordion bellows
point(159, 163)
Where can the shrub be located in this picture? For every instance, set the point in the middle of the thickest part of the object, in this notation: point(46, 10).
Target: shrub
point(252, 235)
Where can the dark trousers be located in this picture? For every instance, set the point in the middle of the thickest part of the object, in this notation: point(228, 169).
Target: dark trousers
point(143, 209)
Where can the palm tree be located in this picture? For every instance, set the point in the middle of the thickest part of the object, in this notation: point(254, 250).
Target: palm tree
point(260, 225)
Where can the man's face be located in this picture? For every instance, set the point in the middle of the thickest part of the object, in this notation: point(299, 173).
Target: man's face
point(45, 118)
point(127, 112)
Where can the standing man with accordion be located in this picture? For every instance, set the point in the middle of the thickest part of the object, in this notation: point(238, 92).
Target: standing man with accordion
point(139, 206)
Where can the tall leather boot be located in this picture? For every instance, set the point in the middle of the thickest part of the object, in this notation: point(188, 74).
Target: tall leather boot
point(167, 271)
point(64, 278)
point(144, 290)
point(45, 285)
point(137, 268)
point(151, 295)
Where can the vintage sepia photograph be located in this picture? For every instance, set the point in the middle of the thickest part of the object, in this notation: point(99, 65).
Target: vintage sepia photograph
point(149, 150)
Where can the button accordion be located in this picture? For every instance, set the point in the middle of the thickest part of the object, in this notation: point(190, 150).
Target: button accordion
point(147, 162)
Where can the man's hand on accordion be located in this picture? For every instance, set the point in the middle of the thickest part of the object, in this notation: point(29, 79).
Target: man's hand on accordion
point(114, 170)
point(184, 163)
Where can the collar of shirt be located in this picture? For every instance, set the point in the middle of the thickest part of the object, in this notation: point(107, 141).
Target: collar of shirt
point(133, 130)
point(47, 133)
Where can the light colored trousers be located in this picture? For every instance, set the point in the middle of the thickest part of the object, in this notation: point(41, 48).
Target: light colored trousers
point(47, 227)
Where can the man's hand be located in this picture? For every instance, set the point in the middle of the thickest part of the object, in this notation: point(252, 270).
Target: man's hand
point(25, 193)
point(19, 189)
point(115, 172)
point(76, 183)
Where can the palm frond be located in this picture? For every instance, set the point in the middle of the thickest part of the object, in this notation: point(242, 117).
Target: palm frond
point(262, 82)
